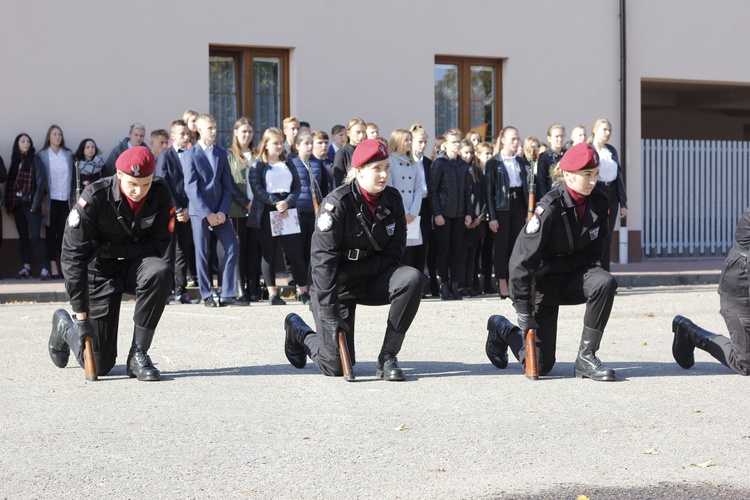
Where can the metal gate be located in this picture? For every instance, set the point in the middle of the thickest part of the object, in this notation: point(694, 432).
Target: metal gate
point(693, 194)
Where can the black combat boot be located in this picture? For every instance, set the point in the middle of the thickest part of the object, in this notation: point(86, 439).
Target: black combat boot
point(587, 364)
point(688, 336)
point(139, 363)
point(59, 350)
point(387, 367)
point(454, 291)
point(445, 291)
point(294, 344)
point(496, 348)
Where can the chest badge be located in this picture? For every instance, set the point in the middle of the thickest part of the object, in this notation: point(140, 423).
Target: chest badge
point(594, 233)
point(532, 227)
point(325, 222)
point(74, 218)
point(390, 228)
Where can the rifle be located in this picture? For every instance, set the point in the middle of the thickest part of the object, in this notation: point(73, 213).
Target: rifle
point(532, 365)
point(89, 363)
point(346, 361)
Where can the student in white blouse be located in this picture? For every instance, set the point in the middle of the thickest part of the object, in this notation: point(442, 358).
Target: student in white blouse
point(58, 164)
point(610, 180)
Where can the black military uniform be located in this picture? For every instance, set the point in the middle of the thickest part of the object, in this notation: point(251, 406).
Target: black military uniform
point(356, 260)
point(734, 291)
point(107, 251)
point(561, 252)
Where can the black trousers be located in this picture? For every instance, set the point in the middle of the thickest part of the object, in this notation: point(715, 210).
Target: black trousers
point(399, 286)
point(178, 254)
point(449, 240)
point(149, 279)
point(613, 193)
point(510, 223)
point(733, 352)
point(307, 228)
point(291, 244)
point(592, 286)
point(58, 215)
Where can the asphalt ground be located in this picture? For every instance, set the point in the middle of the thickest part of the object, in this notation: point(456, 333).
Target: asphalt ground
point(232, 419)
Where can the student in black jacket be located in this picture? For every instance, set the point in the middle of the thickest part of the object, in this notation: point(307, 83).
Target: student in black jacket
point(450, 199)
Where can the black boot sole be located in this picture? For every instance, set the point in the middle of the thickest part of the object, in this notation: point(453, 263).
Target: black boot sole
point(394, 376)
point(608, 377)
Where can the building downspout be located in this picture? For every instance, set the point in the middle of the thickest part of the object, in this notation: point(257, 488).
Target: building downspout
point(623, 236)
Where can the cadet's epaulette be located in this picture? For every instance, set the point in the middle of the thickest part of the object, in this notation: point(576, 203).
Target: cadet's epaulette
point(98, 185)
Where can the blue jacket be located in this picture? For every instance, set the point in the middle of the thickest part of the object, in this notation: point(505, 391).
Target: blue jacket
point(169, 168)
point(305, 201)
point(208, 192)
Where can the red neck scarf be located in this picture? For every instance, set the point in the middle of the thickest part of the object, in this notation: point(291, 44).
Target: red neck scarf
point(579, 200)
point(135, 206)
point(371, 200)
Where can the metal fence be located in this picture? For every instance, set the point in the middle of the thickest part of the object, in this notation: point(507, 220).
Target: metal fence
point(693, 193)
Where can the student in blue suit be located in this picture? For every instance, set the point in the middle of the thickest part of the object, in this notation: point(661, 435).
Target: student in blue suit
point(208, 185)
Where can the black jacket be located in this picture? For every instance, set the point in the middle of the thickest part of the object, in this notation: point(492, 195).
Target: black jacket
point(339, 234)
point(546, 244)
point(96, 248)
point(449, 187)
point(544, 167)
point(262, 199)
point(498, 184)
point(341, 163)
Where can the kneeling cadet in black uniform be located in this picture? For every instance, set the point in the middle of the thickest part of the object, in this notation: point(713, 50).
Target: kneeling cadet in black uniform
point(114, 241)
point(359, 239)
point(734, 293)
point(560, 247)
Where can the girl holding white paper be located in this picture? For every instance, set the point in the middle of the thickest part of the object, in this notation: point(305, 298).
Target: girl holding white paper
point(275, 183)
point(407, 178)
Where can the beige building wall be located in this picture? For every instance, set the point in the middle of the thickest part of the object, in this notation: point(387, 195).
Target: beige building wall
point(95, 67)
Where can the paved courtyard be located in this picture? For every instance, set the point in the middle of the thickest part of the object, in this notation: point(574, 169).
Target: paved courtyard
point(232, 419)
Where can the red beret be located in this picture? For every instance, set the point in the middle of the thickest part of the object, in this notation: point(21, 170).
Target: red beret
point(137, 161)
point(579, 157)
point(369, 151)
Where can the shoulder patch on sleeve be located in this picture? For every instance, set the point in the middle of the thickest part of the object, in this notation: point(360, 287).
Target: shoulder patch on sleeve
point(329, 207)
point(532, 227)
point(74, 218)
point(539, 210)
point(82, 202)
point(325, 221)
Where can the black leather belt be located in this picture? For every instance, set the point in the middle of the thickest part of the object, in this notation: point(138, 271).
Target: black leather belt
point(357, 254)
point(515, 192)
point(740, 249)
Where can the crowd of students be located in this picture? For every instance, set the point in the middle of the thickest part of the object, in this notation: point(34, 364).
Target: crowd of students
point(465, 203)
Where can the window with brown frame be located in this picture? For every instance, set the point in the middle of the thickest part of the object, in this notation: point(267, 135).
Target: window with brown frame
point(468, 95)
point(247, 81)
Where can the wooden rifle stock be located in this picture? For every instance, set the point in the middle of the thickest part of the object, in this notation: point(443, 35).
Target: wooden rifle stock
point(532, 365)
point(346, 361)
point(89, 363)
